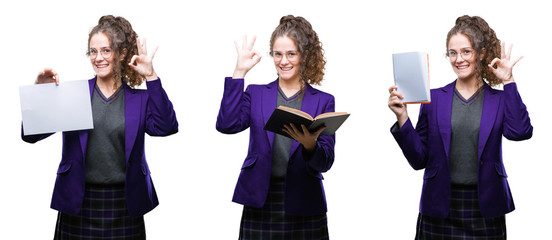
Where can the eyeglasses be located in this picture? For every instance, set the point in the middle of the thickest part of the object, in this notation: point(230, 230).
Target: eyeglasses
point(93, 53)
point(465, 53)
point(290, 55)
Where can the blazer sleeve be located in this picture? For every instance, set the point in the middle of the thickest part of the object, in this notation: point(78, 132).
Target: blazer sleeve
point(160, 118)
point(517, 125)
point(413, 143)
point(33, 138)
point(235, 107)
point(321, 160)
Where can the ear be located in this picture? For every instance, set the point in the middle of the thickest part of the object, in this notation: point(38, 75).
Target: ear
point(483, 53)
point(123, 54)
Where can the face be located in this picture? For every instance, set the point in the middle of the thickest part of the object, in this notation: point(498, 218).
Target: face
point(102, 56)
point(462, 57)
point(286, 59)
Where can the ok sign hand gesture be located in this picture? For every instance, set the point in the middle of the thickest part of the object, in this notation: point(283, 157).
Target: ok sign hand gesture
point(247, 58)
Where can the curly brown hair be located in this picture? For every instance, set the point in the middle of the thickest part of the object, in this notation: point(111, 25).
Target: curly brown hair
point(483, 40)
point(122, 39)
point(312, 59)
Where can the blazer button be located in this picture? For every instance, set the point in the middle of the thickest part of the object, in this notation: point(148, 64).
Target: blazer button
point(481, 162)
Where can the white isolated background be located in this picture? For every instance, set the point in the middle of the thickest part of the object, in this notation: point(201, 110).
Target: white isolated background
point(371, 190)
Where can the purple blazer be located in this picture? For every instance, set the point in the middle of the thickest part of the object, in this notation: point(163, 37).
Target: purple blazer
point(504, 114)
point(146, 111)
point(239, 110)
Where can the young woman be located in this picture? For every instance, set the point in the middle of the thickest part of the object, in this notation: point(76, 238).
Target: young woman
point(103, 187)
point(280, 184)
point(458, 138)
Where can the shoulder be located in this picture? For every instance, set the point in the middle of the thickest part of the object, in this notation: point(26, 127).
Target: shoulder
point(319, 93)
point(260, 87)
point(445, 88)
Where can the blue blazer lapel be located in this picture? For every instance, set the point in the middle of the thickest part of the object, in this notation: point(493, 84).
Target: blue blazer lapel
point(83, 135)
point(444, 112)
point(488, 116)
point(310, 106)
point(269, 103)
point(133, 103)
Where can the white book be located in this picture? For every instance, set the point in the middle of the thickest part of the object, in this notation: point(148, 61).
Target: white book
point(411, 71)
point(47, 108)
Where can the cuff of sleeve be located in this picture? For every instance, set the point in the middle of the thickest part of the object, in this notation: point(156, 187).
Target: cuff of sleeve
point(230, 78)
point(308, 155)
point(510, 87)
point(396, 130)
point(154, 84)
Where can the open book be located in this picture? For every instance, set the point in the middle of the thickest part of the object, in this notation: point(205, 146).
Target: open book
point(286, 115)
point(411, 71)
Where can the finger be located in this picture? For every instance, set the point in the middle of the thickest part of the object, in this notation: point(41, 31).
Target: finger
point(154, 51)
point(287, 128)
point(139, 45)
point(244, 43)
point(56, 78)
point(132, 61)
point(395, 102)
point(237, 46)
point(252, 42)
point(286, 131)
point(144, 48)
point(392, 88)
point(294, 128)
point(493, 62)
point(305, 130)
point(289, 131)
point(320, 130)
point(396, 94)
point(502, 51)
point(509, 52)
point(259, 56)
point(517, 60)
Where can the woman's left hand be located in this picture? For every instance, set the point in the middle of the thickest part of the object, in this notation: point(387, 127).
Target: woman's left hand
point(503, 70)
point(142, 63)
point(304, 137)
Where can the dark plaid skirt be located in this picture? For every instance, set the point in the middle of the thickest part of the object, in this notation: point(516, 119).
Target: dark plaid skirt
point(464, 221)
point(103, 215)
point(271, 223)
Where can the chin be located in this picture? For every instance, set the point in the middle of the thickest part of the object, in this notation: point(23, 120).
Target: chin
point(287, 76)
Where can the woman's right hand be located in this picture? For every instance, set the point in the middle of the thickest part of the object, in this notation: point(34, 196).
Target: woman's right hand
point(395, 104)
point(246, 58)
point(47, 75)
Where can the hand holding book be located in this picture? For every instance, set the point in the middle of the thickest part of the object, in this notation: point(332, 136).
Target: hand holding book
point(287, 116)
point(303, 136)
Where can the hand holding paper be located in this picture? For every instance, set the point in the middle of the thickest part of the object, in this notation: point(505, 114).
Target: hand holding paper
point(48, 75)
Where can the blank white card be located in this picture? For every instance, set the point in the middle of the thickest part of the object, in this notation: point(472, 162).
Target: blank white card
point(47, 108)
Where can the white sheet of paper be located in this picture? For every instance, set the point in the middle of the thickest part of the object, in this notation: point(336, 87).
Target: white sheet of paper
point(48, 108)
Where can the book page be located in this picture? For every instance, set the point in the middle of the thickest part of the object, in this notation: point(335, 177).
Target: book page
point(296, 112)
point(330, 114)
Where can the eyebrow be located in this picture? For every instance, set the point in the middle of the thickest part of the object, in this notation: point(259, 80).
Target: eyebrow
point(101, 48)
point(466, 48)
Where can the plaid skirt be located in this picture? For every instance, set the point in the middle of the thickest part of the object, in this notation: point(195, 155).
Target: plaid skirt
point(271, 222)
point(464, 221)
point(103, 215)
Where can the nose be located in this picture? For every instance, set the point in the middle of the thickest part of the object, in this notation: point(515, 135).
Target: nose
point(284, 60)
point(459, 58)
point(99, 58)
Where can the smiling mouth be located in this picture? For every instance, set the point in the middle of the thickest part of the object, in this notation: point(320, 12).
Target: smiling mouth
point(101, 66)
point(285, 68)
point(462, 67)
